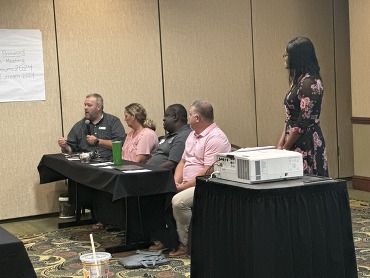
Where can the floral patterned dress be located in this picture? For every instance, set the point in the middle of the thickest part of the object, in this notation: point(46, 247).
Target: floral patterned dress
point(303, 107)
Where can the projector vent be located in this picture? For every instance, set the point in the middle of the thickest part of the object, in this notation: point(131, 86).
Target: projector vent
point(243, 169)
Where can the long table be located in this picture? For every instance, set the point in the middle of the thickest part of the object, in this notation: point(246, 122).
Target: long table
point(140, 202)
point(14, 260)
point(286, 229)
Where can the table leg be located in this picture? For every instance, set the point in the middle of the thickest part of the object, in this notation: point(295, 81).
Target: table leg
point(129, 243)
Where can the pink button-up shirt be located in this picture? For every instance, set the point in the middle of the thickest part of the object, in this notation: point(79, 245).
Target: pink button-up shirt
point(200, 150)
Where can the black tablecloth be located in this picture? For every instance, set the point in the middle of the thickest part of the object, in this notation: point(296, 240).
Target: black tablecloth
point(14, 260)
point(54, 167)
point(289, 229)
point(147, 194)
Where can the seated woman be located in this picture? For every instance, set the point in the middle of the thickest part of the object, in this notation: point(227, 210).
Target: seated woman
point(141, 142)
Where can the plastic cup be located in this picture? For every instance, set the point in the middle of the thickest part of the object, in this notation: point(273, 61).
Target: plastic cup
point(117, 152)
point(66, 209)
point(98, 268)
point(85, 157)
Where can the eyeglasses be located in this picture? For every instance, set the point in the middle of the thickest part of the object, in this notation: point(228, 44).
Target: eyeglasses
point(285, 55)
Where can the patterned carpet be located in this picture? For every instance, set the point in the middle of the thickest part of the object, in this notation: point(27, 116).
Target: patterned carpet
point(361, 235)
point(56, 254)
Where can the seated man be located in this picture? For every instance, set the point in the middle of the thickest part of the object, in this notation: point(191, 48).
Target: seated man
point(97, 130)
point(94, 133)
point(203, 143)
point(171, 147)
point(169, 152)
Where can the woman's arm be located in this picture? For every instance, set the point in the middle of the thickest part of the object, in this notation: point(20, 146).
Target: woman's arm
point(146, 144)
point(282, 139)
point(142, 158)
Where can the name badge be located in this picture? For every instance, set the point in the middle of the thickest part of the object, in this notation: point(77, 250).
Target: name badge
point(102, 127)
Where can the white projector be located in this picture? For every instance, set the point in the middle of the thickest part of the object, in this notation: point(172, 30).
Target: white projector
point(257, 165)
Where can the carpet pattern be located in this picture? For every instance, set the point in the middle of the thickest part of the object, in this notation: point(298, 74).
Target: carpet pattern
point(56, 254)
point(360, 212)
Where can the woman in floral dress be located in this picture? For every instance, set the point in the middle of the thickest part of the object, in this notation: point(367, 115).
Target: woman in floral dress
point(302, 132)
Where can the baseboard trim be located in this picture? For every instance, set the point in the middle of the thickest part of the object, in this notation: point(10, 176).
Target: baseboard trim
point(32, 217)
point(360, 120)
point(361, 183)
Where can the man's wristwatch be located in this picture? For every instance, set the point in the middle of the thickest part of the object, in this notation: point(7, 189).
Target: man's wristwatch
point(96, 142)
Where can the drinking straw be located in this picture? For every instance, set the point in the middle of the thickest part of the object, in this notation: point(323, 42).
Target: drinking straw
point(93, 249)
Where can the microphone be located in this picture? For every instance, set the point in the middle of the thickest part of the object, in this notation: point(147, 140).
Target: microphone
point(87, 122)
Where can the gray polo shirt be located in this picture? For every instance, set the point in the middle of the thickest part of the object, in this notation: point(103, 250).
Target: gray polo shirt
point(171, 147)
point(109, 128)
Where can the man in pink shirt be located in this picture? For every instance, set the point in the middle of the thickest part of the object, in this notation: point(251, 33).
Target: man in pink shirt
point(206, 140)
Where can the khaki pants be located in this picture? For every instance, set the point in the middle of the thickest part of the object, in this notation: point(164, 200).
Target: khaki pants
point(182, 204)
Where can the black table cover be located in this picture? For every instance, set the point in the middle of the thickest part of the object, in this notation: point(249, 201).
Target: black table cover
point(146, 194)
point(289, 229)
point(54, 167)
point(14, 260)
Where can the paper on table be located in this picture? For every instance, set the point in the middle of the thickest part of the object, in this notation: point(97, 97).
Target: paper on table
point(128, 167)
point(101, 164)
point(136, 171)
point(107, 167)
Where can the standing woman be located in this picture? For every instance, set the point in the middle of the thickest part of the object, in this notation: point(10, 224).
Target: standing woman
point(141, 142)
point(302, 132)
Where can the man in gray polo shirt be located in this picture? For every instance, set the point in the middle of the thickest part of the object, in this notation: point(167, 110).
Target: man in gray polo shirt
point(171, 147)
point(95, 132)
point(168, 155)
